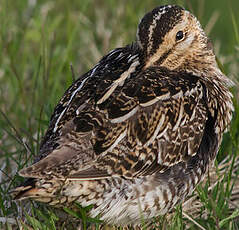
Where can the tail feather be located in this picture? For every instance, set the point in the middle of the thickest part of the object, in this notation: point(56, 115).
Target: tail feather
point(22, 192)
point(28, 190)
point(43, 192)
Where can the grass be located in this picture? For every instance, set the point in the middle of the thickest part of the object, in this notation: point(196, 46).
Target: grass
point(39, 40)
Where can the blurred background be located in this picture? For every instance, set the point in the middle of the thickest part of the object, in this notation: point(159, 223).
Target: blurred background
point(40, 40)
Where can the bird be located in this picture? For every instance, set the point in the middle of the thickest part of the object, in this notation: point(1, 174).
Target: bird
point(138, 132)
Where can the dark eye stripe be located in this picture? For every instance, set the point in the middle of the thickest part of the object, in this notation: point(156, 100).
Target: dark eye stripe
point(163, 57)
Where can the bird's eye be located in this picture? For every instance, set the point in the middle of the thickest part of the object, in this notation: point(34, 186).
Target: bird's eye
point(179, 35)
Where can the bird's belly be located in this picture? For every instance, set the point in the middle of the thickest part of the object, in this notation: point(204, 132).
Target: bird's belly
point(122, 202)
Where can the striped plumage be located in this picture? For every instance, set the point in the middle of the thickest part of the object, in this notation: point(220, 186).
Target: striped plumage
point(137, 133)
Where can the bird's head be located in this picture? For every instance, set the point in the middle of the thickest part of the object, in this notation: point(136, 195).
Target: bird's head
point(172, 37)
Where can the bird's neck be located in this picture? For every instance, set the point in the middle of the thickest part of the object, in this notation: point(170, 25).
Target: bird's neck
point(205, 67)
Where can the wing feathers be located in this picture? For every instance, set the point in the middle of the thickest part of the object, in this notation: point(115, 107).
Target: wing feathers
point(149, 125)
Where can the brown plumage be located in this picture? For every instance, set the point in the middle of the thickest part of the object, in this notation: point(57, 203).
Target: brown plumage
point(137, 133)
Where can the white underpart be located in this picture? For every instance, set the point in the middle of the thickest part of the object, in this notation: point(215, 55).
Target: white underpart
point(72, 96)
point(119, 81)
point(116, 209)
point(73, 190)
point(85, 178)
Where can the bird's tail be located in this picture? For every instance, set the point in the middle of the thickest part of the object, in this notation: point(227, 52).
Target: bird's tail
point(29, 190)
point(24, 191)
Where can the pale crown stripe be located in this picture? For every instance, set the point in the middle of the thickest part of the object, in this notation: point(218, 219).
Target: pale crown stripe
point(151, 29)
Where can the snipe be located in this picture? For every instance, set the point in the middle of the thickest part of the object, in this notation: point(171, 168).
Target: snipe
point(137, 133)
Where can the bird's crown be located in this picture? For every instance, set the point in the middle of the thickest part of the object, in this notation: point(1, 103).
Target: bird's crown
point(156, 24)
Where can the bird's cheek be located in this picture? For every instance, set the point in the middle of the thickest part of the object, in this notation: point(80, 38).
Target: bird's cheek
point(185, 44)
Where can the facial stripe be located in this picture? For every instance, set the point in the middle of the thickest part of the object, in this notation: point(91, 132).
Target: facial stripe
point(151, 30)
point(164, 25)
point(148, 23)
point(156, 59)
point(160, 54)
point(155, 25)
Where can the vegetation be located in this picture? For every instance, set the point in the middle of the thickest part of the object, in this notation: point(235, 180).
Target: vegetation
point(39, 40)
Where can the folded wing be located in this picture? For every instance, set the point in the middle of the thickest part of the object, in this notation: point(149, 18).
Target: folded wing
point(144, 126)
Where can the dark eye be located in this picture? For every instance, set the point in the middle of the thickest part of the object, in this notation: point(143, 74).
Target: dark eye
point(179, 35)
